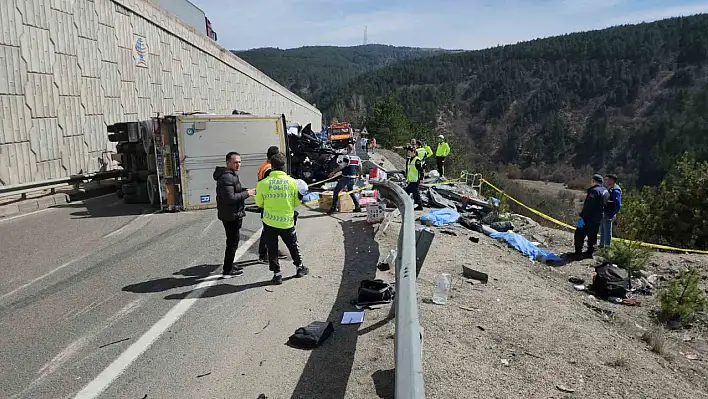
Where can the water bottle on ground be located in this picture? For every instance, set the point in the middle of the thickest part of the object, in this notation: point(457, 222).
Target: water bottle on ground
point(442, 289)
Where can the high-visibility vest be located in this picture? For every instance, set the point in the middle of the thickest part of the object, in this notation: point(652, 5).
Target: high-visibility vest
point(443, 149)
point(277, 194)
point(412, 174)
point(428, 151)
point(265, 166)
point(420, 153)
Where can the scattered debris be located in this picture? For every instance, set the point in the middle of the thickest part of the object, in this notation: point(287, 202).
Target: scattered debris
point(264, 327)
point(533, 355)
point(448, 232)
point(262, 396)
point(576, 280)
point(475, 275)
point(632, 301)
point(269, 290)
point(114, 342)
point(579, 287)
point(203, 375)
point(691, 356)
point(565, 389)
point(481, 328)
point(312, 335)
point(505, 362)
point(468, 308)
point(474, 239)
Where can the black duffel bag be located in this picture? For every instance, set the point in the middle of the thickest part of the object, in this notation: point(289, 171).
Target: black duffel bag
point(610, 281)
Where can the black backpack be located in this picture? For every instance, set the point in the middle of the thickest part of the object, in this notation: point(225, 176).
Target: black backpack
point(610, 281)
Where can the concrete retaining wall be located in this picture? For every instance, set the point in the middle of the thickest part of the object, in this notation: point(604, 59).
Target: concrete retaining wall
point(69, 68)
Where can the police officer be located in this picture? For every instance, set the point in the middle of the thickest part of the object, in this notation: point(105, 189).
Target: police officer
point(414, 172)
point(277, 194)
point(263, 172)
point(441, 152)
point(351, 170)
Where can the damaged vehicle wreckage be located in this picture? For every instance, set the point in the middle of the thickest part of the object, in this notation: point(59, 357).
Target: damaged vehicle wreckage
point(165, 159)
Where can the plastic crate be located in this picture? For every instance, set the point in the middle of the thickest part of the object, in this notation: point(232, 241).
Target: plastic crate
point(375, 212)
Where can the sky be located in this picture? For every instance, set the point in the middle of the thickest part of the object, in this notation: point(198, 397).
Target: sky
point(450, 24)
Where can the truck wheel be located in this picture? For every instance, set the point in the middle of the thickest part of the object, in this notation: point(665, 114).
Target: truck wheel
point(153, 190)
point(151, 163)
point(129, 188)
point(147, 135)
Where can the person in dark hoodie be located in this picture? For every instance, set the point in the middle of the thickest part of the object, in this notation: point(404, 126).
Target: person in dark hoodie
point(614, 203)
point(591, 217)
point(230, 204)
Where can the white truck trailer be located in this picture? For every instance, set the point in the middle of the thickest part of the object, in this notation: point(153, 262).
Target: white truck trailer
point(168, 161)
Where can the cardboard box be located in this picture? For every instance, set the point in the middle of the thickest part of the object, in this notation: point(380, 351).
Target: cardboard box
point(345, 203)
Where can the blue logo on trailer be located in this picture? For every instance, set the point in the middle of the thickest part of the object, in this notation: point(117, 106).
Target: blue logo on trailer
point(190, 131)
point(205, 199)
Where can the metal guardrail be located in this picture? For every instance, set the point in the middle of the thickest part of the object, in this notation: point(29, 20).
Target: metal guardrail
point(407, 346)
point(25, 188)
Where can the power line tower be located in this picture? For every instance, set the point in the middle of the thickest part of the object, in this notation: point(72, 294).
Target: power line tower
point(366, 40)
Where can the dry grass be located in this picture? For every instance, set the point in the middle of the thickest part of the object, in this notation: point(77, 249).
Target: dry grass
point(656, 339)
point(621, 361)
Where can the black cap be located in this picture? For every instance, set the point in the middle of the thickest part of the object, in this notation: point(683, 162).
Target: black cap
point(597, 178)
point(611, 176)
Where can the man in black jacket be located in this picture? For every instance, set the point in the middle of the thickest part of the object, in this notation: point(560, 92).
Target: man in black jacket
point(230, 204)
point(591, 217)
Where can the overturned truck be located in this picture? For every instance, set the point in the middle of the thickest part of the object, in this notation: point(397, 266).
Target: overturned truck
point(168, 161)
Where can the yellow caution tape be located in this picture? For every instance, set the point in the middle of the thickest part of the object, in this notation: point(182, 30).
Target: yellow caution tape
point(558, 222)
point(323, 181)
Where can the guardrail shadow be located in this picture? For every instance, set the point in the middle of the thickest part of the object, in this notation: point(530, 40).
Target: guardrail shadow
point(327, 371)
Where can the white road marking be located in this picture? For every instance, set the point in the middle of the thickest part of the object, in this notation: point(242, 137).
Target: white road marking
point(27, 284)
point(7, 219)
point(115, 369)
point(206, 230)
point(130, 224)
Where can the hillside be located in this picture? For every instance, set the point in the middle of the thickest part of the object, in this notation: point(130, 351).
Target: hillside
point(629, 99)
point(307, 71)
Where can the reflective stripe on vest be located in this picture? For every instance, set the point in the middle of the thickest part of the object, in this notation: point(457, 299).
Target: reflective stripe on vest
point(353, 162)
point(412, 171)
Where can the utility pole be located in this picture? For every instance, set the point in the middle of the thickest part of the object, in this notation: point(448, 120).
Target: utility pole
point(365, 34)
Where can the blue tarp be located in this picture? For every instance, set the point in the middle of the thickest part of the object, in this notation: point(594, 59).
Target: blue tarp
point(521, 244)
point(439, 217)
point(311, 197)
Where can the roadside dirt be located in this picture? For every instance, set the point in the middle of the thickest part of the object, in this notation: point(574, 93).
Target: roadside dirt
point(528, 333)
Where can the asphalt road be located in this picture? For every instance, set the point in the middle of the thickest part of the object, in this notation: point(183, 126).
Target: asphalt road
point(102, 299)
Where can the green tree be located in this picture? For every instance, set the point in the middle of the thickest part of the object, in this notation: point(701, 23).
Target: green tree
point(388, 123)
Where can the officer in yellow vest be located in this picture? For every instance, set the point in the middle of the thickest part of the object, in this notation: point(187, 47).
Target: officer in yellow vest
point(414, 172)
point(441, 153)
point(277, 194)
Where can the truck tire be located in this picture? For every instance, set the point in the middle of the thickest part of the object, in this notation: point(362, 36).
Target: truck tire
point(153, 191)
point(147, 135)
point(151, 163)
point(129, 188)
point(140, 196)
